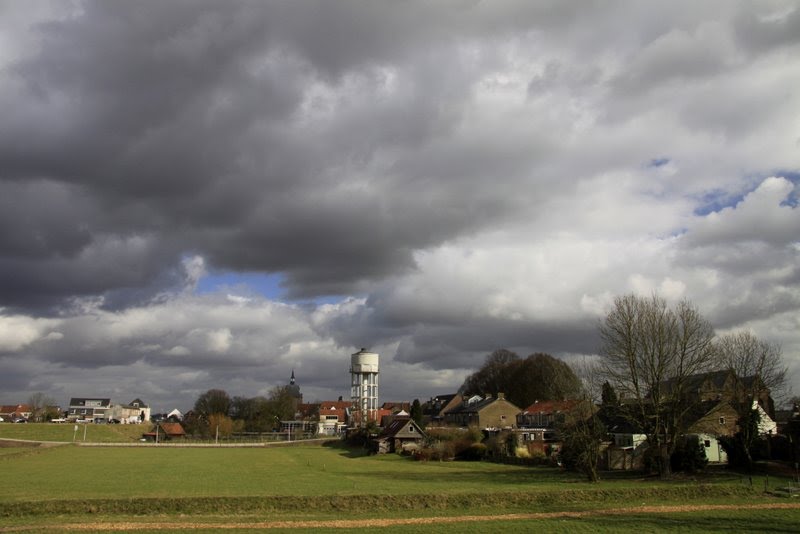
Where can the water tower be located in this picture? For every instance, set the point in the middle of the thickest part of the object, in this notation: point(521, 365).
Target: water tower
point(364, 386)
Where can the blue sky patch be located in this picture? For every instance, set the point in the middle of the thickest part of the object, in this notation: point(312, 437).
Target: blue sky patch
point(717, 200)
point(794, 196)
point(658, 162)
point(267, 285)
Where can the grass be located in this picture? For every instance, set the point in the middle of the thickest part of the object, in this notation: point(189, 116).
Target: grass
point(65, 432)
point(48, 486)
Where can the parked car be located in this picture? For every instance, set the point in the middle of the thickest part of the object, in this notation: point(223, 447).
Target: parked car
point(58, 420)
point(20, 420)
point(1, 419)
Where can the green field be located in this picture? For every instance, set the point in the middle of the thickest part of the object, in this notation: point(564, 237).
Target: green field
point(65, 432)
point(48, 488)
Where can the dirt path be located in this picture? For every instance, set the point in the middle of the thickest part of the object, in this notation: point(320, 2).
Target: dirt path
point(366, 523)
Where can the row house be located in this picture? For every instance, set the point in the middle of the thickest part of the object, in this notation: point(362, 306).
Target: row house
point(91, 409)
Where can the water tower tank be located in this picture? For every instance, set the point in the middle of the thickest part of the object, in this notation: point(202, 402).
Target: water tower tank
point(364, 386)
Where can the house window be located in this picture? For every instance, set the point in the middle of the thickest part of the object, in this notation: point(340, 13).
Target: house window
point(502, 417)
point(707, 443)
point(411, 429)
point(722, 420)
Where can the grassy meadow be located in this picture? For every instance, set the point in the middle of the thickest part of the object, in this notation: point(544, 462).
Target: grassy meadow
point(65, 432)
point(50, 486)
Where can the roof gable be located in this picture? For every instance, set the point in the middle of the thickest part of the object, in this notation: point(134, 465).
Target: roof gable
point(402, 426)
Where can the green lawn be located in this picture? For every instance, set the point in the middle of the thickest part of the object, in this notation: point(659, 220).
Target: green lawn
point(50, 486)
point(65, 432)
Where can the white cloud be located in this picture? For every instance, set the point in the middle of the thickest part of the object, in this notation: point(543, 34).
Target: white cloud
point(19, 331)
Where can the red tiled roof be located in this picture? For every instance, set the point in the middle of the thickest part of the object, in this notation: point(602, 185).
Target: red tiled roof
point(546, 407)
point(173, 429)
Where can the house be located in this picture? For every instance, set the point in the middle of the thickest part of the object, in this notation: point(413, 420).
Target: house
point(626, 448)
point(165, 432)
point(545, 414)
point(333, 417)
point(92, 409)
point(536, 425)
point(175, 416)
point(723, 386)
point(766, 424)
point(402, 434)
point(395, 407)
point(434, 409)
point(15, 412)
point(489, 412)
point(135, 411)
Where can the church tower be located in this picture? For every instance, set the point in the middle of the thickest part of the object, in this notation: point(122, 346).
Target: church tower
point(294, 391)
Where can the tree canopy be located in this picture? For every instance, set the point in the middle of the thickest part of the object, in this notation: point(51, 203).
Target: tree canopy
point(213, 401)
point(647, 346)
point(523, 381)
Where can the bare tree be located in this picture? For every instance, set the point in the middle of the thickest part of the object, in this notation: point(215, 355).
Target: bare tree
point(583, 432)
point(649, 352)
point(42, 406)
point(758, 372)
point(757, 366)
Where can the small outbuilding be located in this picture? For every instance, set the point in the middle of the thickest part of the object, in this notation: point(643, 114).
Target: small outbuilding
point(402, 434)
point(165, 432)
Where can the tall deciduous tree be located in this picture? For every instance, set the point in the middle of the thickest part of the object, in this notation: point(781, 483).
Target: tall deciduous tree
point(758, 372)
point(493, 376)
point(42, 406)
point(648, 353)
point(281, 403)
point(213, 401)
point(524, 381)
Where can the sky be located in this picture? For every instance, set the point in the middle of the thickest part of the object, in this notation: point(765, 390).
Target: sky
point(199, 195)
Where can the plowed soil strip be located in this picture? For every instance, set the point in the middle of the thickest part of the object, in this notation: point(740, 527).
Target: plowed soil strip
point(366, 523)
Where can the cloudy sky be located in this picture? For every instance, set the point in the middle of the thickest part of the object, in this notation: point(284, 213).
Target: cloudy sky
point(211, 194)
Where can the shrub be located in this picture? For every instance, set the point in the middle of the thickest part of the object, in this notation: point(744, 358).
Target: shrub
point(522, 452)
point(689, 455)
point(475, 452)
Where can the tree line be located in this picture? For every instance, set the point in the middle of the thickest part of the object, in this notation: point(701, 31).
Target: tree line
point(215, 412)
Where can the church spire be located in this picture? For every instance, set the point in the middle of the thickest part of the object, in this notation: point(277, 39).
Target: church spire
point(291, 380)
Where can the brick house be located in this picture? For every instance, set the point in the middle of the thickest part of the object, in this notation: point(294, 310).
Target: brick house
point(489, 412)
point(536, 425)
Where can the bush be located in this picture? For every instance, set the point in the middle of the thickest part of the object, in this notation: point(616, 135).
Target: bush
point(473, 453)
point(522, 452)
point(689, 455)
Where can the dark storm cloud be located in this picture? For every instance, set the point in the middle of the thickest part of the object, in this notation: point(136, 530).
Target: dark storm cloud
point(466, 175)
point(181, 122)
